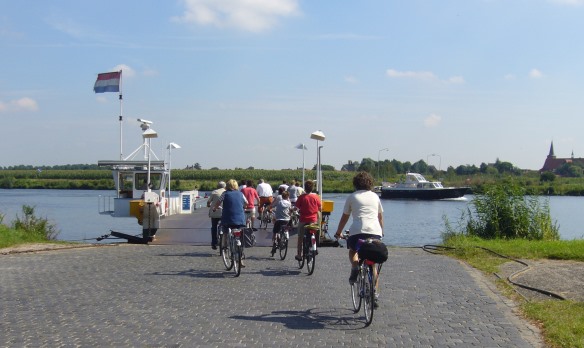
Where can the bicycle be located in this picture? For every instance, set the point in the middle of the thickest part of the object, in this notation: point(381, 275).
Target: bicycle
point(294, 218)
point(281, 242)
point(309, 251)
point(248, 213)
point(265, 217)
point(232, 249)
point(363, 289)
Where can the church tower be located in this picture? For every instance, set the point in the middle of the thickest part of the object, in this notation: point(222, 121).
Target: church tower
point(551, 154)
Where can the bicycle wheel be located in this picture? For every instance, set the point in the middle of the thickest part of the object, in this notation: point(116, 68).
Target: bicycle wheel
point(225, 250)
point(304, 252)
point(294, 220)
point(368, 295)
point(265, 218)
point(310, 261)
point(237, 251)
point(356, 294)
point(283, 246)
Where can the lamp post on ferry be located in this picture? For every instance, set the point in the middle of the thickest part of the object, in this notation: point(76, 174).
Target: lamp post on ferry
point(378, 165)
point(170, 147)
point(303, 148)
point(149, 134)
point(318, 136)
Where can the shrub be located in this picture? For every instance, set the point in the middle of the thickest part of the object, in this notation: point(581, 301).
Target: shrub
point(30, 223)
point(503, 211)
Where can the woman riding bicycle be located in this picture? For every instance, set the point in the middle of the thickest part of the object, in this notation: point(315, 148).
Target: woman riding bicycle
point(365, 207)
point(233, 207)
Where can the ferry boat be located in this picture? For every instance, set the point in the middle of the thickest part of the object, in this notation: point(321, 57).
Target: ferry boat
point(141, 190)
point(416, 186)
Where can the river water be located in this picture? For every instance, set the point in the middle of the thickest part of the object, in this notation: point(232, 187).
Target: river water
point(407, 223)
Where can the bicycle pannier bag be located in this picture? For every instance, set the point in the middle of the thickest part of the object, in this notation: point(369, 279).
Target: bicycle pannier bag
point(373, 250)
point(249, 238)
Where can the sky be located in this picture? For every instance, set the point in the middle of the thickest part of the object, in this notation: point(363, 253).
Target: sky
point(241, 83)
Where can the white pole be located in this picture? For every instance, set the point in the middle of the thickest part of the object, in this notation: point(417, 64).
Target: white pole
point(148, 175)
point(121, 119)
point(303, 165)
point(169, 167)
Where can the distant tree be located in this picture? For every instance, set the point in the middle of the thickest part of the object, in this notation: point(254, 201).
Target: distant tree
point(367, 165)
point(547, 176)
point(328, 167)
point(419, 167)
point(197, 166)
point(570, 170)
point(214, 168)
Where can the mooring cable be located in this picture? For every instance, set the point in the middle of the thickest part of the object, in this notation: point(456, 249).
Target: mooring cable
point(435, 249)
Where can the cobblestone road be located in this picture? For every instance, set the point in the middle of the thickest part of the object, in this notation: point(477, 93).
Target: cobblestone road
point(181, 296)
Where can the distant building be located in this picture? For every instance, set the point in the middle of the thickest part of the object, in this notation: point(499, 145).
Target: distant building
point(552, 163)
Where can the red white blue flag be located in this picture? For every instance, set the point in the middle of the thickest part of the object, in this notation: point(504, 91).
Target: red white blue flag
point(108, 82)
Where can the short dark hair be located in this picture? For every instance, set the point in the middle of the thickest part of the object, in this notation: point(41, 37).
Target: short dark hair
point(249, 183)
point(308, 186)
point(363, 181)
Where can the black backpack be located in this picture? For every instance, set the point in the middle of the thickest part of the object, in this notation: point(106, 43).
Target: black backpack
point(373, 250)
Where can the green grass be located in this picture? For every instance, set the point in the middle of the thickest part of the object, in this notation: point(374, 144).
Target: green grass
point(10, 237)
point(562, 321)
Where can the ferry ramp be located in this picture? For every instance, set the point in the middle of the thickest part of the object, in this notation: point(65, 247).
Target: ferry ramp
point(180, 295)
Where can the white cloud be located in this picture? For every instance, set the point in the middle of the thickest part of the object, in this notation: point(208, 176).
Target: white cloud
point(457, 80)
point(420, 75)
point(423, 75)
point(509, 77)
point(432, 121)
point(249, 15)
point(350, 79)
point(22, 104)
point(569, 2)
point(126, 70)
point(535, 74)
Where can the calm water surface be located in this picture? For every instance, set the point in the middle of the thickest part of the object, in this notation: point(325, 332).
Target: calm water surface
point(407, 223)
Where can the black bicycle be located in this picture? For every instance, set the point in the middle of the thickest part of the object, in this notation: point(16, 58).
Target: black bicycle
point(281, 241)
point(231, 249)
point(363, 289)
point(265, 216)
point(309, 251)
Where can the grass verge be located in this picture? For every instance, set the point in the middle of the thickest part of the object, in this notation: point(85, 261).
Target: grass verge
point(562, 322)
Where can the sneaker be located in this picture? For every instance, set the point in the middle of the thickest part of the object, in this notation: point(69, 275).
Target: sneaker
point(354, 275)
point(298, 258)
point(375, 303)
point(214, 247)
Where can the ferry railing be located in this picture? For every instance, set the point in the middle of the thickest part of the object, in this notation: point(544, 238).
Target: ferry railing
point(105, 204)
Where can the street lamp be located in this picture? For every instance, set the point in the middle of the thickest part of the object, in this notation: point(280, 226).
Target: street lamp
point(378, 165)
point(318, 136)
point(439, 159)
point(170, 147)
point(149, 134)
point(303, 148)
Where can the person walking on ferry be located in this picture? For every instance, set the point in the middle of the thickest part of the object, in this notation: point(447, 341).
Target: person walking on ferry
point(215, 215)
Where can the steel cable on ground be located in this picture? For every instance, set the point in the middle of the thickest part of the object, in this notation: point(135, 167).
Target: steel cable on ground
point(435, 249)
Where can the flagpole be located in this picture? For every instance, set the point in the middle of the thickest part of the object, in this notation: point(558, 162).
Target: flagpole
point(121, 119)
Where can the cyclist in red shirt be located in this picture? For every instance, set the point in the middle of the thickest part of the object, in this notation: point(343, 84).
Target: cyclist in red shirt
point(252, 197)
point(309, 206)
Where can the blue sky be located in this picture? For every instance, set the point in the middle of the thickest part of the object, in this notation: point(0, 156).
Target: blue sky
point(240, 83)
